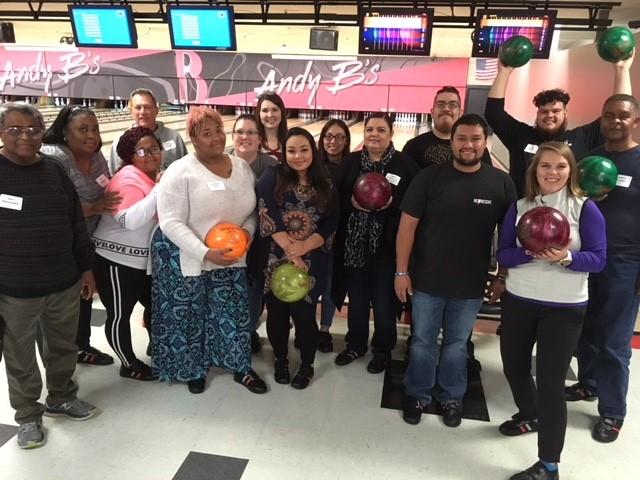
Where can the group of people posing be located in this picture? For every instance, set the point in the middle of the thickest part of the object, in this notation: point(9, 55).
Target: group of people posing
point(132, 229)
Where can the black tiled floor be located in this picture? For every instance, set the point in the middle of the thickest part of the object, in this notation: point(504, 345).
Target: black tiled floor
point(204, 466)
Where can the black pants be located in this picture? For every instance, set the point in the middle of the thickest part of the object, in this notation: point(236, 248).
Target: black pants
point(555, 330)
point(368, 289)
point(84, 324)
point(304, 319)
point(120, 288)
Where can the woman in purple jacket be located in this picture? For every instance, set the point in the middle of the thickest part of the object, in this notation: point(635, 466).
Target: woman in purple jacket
point(545, 301)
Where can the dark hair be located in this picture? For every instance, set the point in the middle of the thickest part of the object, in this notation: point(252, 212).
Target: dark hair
point(347, 144)
point(55, 134)
point(127, 143)
point(623, 97)
point(532, 187)
point(143, 91)
point(24, 109)
point(471, 119)
point(282, 128)
point(381, 115)
point(246, 116)
point(551, 96)
point(317, 174)
point(448, 89)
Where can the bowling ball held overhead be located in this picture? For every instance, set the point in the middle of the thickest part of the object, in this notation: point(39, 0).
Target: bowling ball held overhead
point(615, 44)
point(516, 51)
point(541, 228)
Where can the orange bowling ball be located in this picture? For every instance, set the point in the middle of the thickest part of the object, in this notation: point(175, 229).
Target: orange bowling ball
point(227, 235)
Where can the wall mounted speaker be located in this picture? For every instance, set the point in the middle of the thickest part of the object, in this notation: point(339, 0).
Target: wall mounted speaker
point(323, 39)
point(7, 35)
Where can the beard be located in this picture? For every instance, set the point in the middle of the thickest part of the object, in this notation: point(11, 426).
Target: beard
point(471, 162)
point(550, 134)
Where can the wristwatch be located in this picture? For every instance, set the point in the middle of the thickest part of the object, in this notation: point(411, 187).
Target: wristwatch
point(566, 261)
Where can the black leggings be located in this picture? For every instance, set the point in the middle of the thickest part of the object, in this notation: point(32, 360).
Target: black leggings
point(555, 330)
point(120, 288)
point(304, 318)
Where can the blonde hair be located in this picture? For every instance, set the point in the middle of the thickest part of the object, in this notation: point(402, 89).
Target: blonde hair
point(532, 187)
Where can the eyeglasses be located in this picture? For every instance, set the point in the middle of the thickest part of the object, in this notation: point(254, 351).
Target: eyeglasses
point(143, 152)
point(17, 132)
point(338, 138)
point(248, 133)
point(451, 105)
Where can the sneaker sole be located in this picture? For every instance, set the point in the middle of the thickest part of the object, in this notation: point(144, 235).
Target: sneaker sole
point(70, 417)
point(33, 445)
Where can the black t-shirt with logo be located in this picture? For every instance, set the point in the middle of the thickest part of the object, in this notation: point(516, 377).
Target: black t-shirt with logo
point(427, 149)
point(458, 214)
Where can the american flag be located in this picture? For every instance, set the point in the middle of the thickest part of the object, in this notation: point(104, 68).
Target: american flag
point(486, 68)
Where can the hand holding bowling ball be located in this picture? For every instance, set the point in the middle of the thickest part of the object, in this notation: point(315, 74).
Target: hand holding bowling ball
point(615, 44)
point(597, 175)
point(372, 191)
point(543, 228)
point(289, 283)
point(229, 239)
point(516, 51)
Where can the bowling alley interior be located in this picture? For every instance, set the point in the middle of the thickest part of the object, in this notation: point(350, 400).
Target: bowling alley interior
point(327, 60)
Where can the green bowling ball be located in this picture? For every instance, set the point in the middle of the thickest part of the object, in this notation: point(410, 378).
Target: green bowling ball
point(289, 283)
point(516, 51)
point(597, 175)
point(615, 44)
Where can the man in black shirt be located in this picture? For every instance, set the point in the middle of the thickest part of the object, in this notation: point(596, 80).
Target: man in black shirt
point(522, 140)
point(449, 214)
point(46, 257)
point(434, 147)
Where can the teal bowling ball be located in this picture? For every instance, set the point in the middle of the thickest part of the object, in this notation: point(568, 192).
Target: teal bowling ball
point(516, 51)
point(290, 284)
point(615, 44)
point(597, 175)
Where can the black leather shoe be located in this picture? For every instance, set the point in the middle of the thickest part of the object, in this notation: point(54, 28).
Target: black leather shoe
point(577, 392)
point(536, 472)
point(412, 410)
point(606, 430)
point(325, 342)
point(452, 414)
point(196, 386)
point(377, 365)
point(303, 376)
point(347, 356)
point(281, 372)
point(252, 381)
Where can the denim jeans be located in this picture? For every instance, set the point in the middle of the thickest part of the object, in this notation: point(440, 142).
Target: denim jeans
point(604, 349)
point(456, 318)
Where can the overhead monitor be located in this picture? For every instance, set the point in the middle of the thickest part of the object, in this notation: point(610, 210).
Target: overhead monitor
point(202, 28)
point(103, 26)
point(395, 31)
point(494, 27)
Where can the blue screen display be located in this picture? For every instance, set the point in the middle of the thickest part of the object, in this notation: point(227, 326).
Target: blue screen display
point(202, 28)
point(108, 27)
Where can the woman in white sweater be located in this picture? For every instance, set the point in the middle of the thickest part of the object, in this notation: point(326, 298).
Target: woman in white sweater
point(122, 244)
point(200, 316)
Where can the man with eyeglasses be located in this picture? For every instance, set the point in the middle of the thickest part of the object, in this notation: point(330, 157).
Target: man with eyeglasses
point(46, 257)
point(434, 147)
point(522, 140)
point(144, 110)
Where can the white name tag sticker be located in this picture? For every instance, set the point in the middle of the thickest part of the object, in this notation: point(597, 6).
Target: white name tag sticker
point(482, 201)
point(169, 145)
point(216, 186)
point(530, 148)
point(11, 202)
point(102, 180)
point(393, 179)
point(623, 181)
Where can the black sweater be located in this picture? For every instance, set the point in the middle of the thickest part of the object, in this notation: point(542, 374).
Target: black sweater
point(44, 245)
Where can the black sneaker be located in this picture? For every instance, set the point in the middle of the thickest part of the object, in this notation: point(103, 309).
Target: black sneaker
point(518, 425)
point(281, 372)
point(93, 356)
point(452, 414)
point(303, 376)
point(256, 343)
point(606, 430)
point(347, 356)
point(252, 381)
point(412, 410)
point(138, 371)
point(196, 386)
point(325, 342)
point(536, 472)
point(577, 392)
point(377, 365)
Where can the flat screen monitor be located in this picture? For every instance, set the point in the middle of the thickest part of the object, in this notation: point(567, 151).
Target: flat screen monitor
point(202, 28)
point(494, 27)
point(395, 31)
point(103, 26)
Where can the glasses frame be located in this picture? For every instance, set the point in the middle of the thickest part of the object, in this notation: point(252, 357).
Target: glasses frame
point(17, 132)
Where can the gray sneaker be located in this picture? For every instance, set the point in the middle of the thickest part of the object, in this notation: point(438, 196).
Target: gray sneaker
point(75, 410)
point(31, 435)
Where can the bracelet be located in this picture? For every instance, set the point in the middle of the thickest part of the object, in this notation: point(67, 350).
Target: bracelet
point(401, 274)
